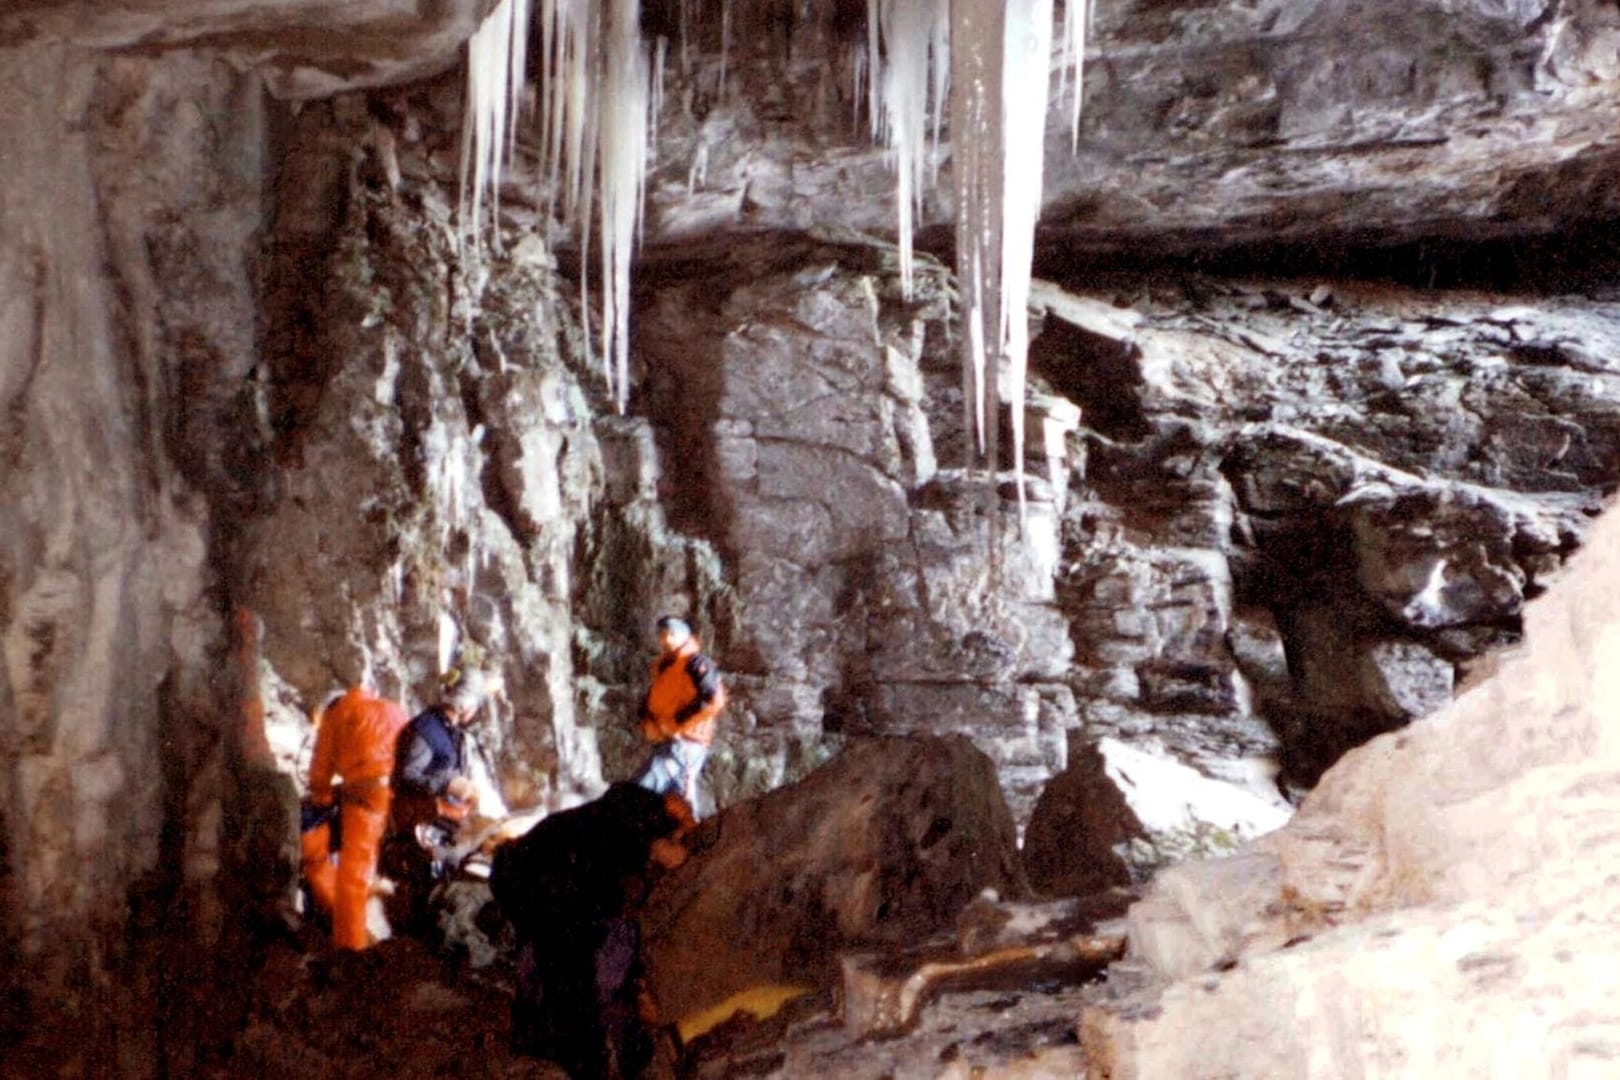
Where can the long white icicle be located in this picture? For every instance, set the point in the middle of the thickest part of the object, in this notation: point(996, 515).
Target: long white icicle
point(977, 54)
point(913, 34)
point(1025, 77)
point(491, 108)
point(623, 107)
point(1076, 21)
point(597, 95)
point(1000, 61)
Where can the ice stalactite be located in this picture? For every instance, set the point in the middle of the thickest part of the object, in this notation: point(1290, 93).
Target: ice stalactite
point(874, 67)
point(622, 109)
point(660, 64)
point(977, 30)
point(1000, 66)
point(1076, 23)
point(495, 55)
point(914, 37)
point(1025, 76)
point(517, 68)
point(860, 66)
point(598, 88)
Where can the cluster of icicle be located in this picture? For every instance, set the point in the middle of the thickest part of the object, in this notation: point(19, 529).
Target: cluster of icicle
point(990, 60)
point(596, 100)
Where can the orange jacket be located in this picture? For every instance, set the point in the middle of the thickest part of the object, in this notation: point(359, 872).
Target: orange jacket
point(685, 697)
point(355, 740)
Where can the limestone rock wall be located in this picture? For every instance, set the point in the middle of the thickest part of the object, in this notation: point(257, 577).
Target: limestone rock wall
point(128, 326)
point(877, 592)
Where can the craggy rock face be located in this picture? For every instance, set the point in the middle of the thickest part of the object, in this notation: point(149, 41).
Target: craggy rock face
point(254, 377)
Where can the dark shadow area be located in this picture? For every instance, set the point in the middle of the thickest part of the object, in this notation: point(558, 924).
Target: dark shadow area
point(1580, 257)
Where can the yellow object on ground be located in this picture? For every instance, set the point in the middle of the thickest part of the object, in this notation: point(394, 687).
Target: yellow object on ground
point(762, 1002)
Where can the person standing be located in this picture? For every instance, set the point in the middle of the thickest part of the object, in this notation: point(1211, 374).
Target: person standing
point(354, 744)
point(680, 711)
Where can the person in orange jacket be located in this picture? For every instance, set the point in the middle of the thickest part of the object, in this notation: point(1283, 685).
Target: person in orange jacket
point(355, 742)
point(679, 713)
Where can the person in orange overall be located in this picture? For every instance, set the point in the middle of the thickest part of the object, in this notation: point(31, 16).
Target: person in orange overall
point(355, 742)
point(679, 712)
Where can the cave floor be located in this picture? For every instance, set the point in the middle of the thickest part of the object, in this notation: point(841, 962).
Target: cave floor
point(402, 1010)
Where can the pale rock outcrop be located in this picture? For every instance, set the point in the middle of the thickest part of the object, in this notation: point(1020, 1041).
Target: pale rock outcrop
point(1441, 905)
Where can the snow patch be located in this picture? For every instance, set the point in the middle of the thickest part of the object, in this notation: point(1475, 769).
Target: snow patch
point(1168, 797)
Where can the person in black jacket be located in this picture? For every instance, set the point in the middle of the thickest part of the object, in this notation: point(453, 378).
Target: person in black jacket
point(570, 887)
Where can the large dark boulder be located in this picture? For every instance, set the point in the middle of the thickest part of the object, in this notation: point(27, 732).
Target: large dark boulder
point(885, 844)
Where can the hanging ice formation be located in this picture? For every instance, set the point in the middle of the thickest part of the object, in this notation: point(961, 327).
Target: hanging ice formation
point(1076, 21)
point(595, 96)
point(1025, 75)
point(496, 56)
point(994, 56)
point(622, 114)
point(907, 40)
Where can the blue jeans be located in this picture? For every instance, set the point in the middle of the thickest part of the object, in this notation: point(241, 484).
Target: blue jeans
point(674, 767)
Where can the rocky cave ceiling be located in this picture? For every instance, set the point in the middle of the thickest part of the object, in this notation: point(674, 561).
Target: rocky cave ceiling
point(1324, 394)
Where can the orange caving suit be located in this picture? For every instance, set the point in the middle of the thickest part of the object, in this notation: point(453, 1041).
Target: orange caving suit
point(355, 741)
point(685, 697)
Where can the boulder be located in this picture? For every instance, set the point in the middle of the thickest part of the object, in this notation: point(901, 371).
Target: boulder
point(1120, 811)
point(883, 845)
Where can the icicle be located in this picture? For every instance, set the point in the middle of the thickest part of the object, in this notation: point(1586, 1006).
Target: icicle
point(698, 174)
point(1001, 56)
point(977, 32)
point(623, 106)
point(656, 109)
point(874, 68)
point(911, 32)
point(1076, 20)
point(939, 45)
point(495, 54)
point(517, 70)
point(911, 28)
point(1025, 78)
point(860, 88)
point(448, 635)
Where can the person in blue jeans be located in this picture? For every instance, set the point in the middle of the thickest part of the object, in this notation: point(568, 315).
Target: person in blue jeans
point(679, 713)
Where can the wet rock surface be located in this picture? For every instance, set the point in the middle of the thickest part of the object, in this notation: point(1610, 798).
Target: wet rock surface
point(248, 363)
